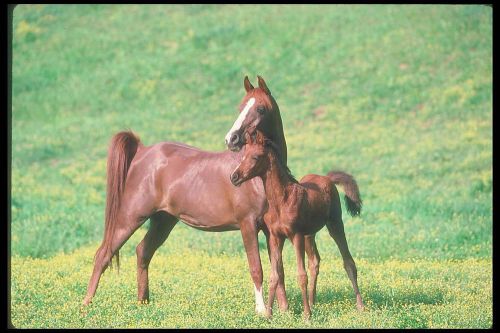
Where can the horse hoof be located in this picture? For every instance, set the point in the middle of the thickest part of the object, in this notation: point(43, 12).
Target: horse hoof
point(360, 307)
point(261, 311)
point(85, 306)
point(143, 301)
point(285, 310)
point(268, 313)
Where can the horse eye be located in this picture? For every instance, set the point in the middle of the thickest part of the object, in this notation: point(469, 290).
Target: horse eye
point(261, 110)
point(255, 157)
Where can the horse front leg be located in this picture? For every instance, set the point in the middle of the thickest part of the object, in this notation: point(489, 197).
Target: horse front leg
point(280, 289)
point(277, 273)
point(250, 241)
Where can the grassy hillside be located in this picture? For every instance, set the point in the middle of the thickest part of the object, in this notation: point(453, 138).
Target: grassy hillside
point(399, 96)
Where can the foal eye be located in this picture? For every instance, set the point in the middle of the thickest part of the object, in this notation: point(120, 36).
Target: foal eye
point(255, 158)
point(261, 110)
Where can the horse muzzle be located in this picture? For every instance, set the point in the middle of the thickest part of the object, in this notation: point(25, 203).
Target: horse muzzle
point(234, 143)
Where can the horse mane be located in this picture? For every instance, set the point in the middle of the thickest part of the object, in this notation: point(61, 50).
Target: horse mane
point(276, 151)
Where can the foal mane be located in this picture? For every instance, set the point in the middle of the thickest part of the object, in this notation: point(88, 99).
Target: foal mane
point(283, 167)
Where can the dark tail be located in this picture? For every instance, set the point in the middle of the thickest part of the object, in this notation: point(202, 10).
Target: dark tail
point(121, 151)
point(351, 190)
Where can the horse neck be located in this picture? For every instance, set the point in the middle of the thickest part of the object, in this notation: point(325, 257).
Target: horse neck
point(276, 182)
point(278, 136)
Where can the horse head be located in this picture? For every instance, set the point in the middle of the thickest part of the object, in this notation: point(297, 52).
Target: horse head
point(258, 111)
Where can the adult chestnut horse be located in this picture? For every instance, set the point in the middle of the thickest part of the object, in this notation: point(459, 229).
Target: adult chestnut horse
point(169, 181)
point(298, 209)
point(259, 111)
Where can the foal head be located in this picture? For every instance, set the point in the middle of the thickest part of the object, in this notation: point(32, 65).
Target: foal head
point(258, 111)
point(255, 161)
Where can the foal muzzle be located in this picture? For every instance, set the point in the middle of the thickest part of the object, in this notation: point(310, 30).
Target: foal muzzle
point(235, 179)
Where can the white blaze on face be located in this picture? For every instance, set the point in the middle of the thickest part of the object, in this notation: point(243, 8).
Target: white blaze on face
point(241, 118)
point(260, 307)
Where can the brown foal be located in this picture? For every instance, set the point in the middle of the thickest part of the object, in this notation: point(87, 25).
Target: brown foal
point(298, 209)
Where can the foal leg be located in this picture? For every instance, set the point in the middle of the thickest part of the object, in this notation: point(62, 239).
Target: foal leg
point(124, 228)
point(160, 226)
point(336, 230)
point(280, 289)
point(251, 243)
point(313, 260)
point(277, 274)
point(298, 244)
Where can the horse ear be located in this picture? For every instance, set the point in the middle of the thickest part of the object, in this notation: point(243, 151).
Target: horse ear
point(247, 84)
point(262, 85)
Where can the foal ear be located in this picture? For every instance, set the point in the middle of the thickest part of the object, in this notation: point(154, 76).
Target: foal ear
point(259, 138)
point(262, 85)
point(247, 84)
point(248, 138)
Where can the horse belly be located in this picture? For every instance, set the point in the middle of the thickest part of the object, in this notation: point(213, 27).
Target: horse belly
point(314, 213)
point(201, 202)
point(202, 224)
point(197, 212)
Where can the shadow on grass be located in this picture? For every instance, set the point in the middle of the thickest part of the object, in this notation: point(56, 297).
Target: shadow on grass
point(381, 298)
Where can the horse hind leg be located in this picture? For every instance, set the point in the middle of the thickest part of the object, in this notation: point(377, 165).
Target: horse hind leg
point(336, 230)
point(124, 228)
point(298, 244)
point(313, 260)
point(161, 224)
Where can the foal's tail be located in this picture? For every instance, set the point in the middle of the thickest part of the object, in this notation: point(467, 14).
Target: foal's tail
point(121, 151)
point(351, 190)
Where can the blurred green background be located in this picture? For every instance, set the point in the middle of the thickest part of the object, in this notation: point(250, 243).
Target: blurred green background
point(398, 96)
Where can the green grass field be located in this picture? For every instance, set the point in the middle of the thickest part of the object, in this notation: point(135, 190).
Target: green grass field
point(398, 96)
